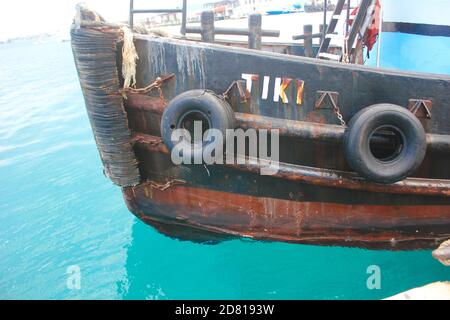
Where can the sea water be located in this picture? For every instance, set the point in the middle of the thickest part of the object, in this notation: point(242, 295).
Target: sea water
point(58, 213)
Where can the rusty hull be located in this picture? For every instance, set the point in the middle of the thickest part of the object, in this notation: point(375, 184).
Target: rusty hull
point(235, 201)
point(314, 198)
point(236, 215)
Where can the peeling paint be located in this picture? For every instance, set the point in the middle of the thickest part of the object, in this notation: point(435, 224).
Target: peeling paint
point(157, 58)
point(190, 63)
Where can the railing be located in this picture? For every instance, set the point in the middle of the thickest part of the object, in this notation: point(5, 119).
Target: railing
point(308, 36)
point(207, 30)
point(254, 30)
point(183, 11)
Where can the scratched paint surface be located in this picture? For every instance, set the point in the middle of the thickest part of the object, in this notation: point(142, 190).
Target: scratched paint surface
point(57, 210)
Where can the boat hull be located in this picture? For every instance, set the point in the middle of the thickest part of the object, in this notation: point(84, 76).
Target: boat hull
point(313, 197)
point(223, 215)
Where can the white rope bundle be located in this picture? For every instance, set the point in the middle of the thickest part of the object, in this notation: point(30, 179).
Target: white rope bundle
point(129, 57)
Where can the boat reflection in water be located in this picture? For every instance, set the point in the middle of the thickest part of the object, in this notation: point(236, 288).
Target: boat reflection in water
point(159, 267)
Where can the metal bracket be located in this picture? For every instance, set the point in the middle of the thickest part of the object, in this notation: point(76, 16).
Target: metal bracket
point(331, 103)
point(323, 103)
point(243, 93)
point(420, 108)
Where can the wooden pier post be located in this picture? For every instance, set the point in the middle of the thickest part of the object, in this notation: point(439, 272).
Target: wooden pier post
point(307, 32)
point(254, 31)
point(325, 9)
point(184, 18)
point(322, 30)
point(207, 26)
point(131, 20)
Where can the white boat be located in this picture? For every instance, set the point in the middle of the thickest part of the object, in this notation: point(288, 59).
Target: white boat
point(247, 7)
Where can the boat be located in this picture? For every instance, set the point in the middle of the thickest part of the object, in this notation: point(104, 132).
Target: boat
point(283, 7)
point(363, 155)
point(269, 7)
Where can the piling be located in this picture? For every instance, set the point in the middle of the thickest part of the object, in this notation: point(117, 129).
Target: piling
point(207, 26)
point(255, 31)
point(307, 32)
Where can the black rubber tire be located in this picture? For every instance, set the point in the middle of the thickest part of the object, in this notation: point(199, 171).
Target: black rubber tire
point(218, 112)
point(357, 147)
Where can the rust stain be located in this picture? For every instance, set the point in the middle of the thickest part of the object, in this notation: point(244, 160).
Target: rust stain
point(316, 117)
point(155, 106)
point(296, 221)
point(328, 177)
point(144, 102)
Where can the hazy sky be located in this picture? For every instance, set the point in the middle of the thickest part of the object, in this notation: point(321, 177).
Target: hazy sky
point(27, 17)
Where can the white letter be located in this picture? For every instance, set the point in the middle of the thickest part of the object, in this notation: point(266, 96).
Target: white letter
point(249, 80)
point(74, 279)
point(277, 90)
point(198, 142)
point(374, 281)
point(181, 151)
point(213, 135)
point(272, 162)
point(265, 92)
point(241, 136)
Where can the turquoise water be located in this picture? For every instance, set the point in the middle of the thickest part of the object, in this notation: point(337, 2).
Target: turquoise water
point(58, 210)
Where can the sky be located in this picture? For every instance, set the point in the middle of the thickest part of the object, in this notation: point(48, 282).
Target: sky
point(28, 17)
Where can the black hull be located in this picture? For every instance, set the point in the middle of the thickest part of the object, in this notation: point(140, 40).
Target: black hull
point(314, 198)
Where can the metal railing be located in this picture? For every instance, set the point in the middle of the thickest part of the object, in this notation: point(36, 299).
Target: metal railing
point(254, 30)
point(183, 12)
point(308, 37)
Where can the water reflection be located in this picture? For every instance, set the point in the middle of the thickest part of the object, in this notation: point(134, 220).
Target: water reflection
point(159, 267)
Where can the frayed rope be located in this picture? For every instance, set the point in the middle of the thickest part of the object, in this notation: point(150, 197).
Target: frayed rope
point(129, 57)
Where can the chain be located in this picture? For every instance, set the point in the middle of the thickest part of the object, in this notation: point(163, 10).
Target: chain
point(157, 84)
point(338, 113)
point(165, 186)
point(161, 95)
point(137, 138)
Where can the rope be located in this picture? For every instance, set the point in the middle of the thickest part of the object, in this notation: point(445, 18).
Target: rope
point(165, 186)
point(129, 57)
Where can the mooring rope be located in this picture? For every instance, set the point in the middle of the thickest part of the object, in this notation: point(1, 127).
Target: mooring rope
point(129, 57)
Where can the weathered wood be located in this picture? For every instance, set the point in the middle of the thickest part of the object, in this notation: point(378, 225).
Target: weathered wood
point(254, 31)
point(307, 32)
point(207, 26)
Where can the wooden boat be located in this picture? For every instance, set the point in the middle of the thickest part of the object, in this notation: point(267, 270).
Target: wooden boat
point(325, 191)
